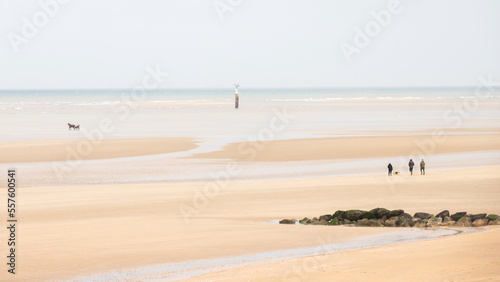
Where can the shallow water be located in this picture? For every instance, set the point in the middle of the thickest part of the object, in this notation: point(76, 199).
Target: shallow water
point(176, 271)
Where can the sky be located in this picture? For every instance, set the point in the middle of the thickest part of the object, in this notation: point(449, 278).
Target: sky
point(89, 44)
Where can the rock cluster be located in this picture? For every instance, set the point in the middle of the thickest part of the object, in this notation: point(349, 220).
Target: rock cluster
point(380, 217)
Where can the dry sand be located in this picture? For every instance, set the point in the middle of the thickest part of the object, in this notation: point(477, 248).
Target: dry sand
point(354, 147)
point(88, 149)
point(77, 231)
point(470, 257)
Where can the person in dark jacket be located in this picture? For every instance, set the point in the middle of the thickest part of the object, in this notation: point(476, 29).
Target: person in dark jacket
point(422, 167)
point(411, 164)
point(389, 167)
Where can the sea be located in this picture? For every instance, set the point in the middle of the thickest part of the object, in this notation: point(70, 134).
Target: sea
point(209, 116)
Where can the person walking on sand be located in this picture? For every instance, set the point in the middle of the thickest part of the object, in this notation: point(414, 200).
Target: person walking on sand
point(411, 164)
point(422, 167)
point(389, 167)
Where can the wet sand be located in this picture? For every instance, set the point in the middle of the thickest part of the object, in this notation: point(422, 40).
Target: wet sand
point(69, 232)
point(91, 148)
point(469, 257)
point(353, 147)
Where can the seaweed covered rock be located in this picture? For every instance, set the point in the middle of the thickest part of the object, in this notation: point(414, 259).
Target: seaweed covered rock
point(288, 221)
point(354, 215)
point(369, 215)
point(458, 215)
point(403, 222)
point(492, 217)
point(395, 213)
point(334, 221)
point(305, 220)
point(474, 217)
point(381, 212)
point(338, 214)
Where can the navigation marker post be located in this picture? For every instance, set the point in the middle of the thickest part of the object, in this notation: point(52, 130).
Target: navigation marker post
point(236, 98)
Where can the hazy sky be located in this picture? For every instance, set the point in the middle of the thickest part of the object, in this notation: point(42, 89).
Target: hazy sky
point(258, 43)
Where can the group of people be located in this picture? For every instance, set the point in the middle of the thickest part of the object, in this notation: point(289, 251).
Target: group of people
point(411, 164)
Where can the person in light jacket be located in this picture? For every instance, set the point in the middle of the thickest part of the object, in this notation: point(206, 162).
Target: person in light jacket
point(422, 167)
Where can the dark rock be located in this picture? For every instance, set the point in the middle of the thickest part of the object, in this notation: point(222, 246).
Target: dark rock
point(326, 217)
point(288, 221)
point(492, 217)
point(458, 215)
point(347, 221)
point(434, 221)
point(464, 221)
point(337, 214)
point(480, 222)
point(402, 222)
point(406, 216)
point(354, 215)
point(423, 215)
point(391, 222)
point(381, 212)
point(443, 214)
point(395, 213)
point(369, 215)
point(473, 217)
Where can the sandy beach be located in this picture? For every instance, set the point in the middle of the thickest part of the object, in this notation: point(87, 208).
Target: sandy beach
point(354, 147)
point(184, 186)
point(70, 232)
point(89, 149)
point(230, 140)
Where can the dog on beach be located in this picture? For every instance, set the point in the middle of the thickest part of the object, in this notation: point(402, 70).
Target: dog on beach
point(72, 126)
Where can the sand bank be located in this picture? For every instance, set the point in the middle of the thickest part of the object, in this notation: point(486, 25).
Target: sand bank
point(59, 150)
point(353, 147)
point(469, 257)
point(68, 232)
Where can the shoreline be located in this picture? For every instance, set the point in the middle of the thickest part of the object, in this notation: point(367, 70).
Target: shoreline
point(193, 269)
point(378, 263)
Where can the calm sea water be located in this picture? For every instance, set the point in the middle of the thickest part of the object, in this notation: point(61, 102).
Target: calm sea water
point(33, 114)
point(103, 97)
point(210, 117)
